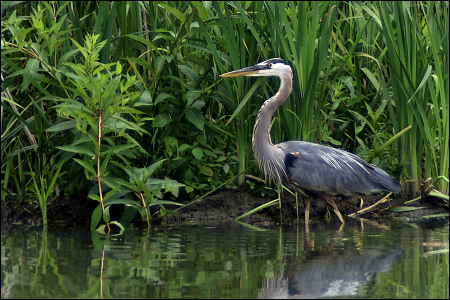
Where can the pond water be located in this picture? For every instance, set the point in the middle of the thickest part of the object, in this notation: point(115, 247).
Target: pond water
point(363, 259)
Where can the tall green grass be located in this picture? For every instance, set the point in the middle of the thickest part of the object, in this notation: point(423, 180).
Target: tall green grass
point(417, 55)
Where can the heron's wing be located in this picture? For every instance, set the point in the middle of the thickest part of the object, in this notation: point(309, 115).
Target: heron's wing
point(324, 169)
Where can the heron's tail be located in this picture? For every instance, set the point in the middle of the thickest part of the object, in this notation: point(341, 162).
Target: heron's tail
point(388, 182)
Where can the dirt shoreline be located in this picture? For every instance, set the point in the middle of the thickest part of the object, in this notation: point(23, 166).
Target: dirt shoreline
point(221, 209)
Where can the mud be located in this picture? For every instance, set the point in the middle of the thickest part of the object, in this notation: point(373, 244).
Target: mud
point(61, 212)
point(223, 208)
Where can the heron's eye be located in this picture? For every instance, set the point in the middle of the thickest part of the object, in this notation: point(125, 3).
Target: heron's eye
point(269, 65)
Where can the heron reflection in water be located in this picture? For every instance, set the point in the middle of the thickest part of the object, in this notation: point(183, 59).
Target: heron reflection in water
point(335, 274)
point(308, 168)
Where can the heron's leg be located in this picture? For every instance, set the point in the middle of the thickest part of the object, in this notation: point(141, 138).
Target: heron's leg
point(361, 201)
point(306, 202)
point(330, 201)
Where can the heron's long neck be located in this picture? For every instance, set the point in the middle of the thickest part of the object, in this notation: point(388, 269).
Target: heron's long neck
point(261, 142)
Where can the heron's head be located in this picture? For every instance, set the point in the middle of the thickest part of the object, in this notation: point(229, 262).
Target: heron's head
point(270, 67)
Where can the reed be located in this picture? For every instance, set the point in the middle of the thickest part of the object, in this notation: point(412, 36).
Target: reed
point(416, 60)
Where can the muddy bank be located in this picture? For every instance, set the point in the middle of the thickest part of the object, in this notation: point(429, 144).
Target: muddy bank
point(61, 212)
point(222, 208)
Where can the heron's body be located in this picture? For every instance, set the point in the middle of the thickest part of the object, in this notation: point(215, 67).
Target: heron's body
point(331, 171)
point(307, 167)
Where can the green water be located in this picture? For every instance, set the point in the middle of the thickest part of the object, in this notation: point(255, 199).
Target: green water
point(361, 260)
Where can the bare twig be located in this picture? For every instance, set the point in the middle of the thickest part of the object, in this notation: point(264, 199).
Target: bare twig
point(370, 208)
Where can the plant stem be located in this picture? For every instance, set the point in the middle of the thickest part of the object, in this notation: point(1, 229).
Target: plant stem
point(98, 167)
point(146, 210)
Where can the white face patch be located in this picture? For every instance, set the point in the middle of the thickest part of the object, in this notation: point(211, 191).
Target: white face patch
point(272, 67)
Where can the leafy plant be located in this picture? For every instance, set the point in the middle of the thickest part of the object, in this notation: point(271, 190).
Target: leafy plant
point(147, 189)
point(43, 189)
point(99, 111)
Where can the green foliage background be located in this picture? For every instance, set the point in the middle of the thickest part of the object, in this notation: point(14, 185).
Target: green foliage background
point(369, 77)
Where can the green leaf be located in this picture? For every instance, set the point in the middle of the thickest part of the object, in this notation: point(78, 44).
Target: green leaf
point(117, 124)
point(179, 15)
point(161, 120)
point(270, 203)
point(127, 184)
point(183, 147)
point(125, 201)
point(129, 110)
point(66, 56)
point(244, 101)
point(86, 166)
point(55, 176)
point(62, 126)
point(30, 72)
point(198, 153)
point(155, 181)
point(162, 202)
point(122, 229)
point(151, 169)
point(195, 117)
point(146, 97)
point(435, 216)
point(94, 197)
point(206, 170)
point(372, 78)
point(425, 78)
point(96, 217)
point(405, 208)
point(163, 96)
point(191, 75)
point(106, 215)
point(116, 149)
point(77, 149)
point(191, 96)
point(143, 41)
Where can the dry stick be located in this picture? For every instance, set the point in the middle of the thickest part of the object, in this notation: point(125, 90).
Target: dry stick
point(255, 178)
point(364, 210)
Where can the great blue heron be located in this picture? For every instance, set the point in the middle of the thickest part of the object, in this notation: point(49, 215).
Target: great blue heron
point(308, 168)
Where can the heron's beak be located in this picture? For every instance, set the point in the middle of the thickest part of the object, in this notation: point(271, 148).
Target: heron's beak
point(244, 72)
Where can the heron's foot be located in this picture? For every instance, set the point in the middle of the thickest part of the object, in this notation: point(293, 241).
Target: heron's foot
point(330, 201)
